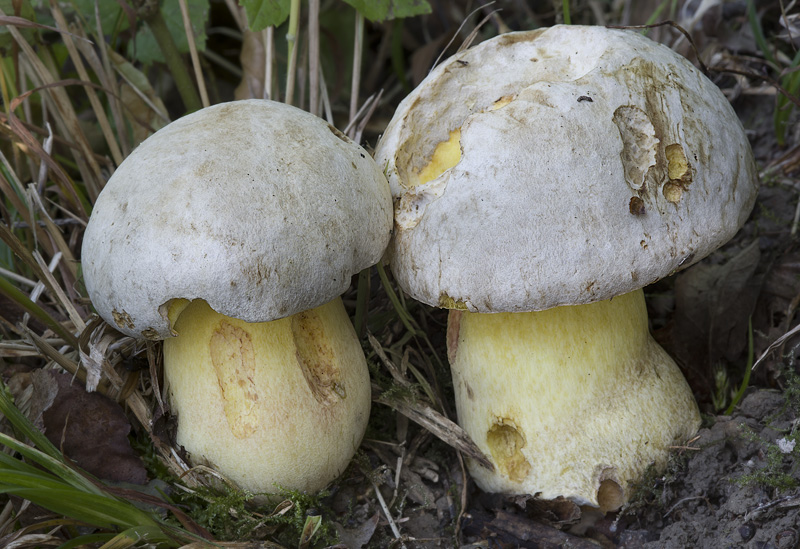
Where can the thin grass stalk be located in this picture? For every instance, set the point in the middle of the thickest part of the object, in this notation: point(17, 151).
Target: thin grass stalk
point(15, 193)
point(198, 71)
point(292, 40)
point(747, 370)
point(25, 255)
point(326, 100)
point(355, 82)
point(97, 107)
point(268, 36)
point(128, 72)
point(73, 314)
point(313, 57)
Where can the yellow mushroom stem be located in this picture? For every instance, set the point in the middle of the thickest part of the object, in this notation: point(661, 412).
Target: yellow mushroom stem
point(575, 401)
point(280, 404)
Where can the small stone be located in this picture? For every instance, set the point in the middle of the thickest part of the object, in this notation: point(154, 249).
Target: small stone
point(747, 531)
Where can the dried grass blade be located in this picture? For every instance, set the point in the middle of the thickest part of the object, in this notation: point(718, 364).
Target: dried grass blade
point(14, 21)
point(97, 107)
point(67, 119)
point(139, 84)
point(59, 294)
point(444, 429)
point(51, 353)
point(25, 255)
point(60, 176)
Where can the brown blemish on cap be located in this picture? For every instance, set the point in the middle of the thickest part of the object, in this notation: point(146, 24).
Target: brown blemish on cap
point(636, 206)
point(447, 302)
point(234, 360)
point(639, 143)
point(122, 319)
point(339, 134)
point(315, 357)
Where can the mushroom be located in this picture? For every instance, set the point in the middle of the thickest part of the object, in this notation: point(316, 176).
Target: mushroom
point(546, 177)
point(231, 233)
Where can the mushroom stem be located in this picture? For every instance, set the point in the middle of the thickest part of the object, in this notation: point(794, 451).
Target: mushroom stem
point(575, 401)
point(279, 404)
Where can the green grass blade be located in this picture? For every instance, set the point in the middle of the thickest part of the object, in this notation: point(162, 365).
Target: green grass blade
point(405, 318)
point(748, 367)
point(132, 536)
point(87, 540)
point(758, 33)
point(100, 511)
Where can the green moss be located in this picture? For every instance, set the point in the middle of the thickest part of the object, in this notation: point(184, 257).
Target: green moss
point(773, 473)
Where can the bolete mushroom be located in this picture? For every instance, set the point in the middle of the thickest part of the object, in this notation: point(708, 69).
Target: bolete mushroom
point(232, 232)
point(546, 177)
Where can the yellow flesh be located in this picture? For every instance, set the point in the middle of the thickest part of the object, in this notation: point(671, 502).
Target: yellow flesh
point(282, 403)
point(576, 401)
point(446, 155)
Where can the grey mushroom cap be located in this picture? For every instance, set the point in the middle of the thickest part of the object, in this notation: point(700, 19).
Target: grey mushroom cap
point(261, 209)
point(593, 162)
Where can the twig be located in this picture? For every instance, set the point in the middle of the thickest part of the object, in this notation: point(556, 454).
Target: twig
point(681, 502)
point(458, 30)
point(674, 25)
point(386, 511)
point(792, 498)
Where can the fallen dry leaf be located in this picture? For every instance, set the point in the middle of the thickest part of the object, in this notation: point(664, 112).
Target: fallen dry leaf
point(89, 428)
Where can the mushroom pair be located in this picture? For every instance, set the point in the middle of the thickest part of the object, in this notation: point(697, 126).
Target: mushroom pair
point(236, 229)
point(540, 180)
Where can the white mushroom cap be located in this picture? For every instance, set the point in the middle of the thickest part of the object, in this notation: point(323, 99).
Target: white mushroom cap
point(259, 208)
point(592, 162)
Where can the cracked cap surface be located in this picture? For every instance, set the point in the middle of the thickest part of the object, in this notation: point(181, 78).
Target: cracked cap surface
point(560, 166)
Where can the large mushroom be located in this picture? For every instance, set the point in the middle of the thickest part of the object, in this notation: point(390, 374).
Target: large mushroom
point(546, 177)
point(231, 233)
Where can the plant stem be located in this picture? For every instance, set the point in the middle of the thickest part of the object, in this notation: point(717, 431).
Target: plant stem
point(183, 81)
point(291, 40)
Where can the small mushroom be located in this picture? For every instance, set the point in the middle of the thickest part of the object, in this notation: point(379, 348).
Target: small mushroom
point(546, 177)
point(232, 232)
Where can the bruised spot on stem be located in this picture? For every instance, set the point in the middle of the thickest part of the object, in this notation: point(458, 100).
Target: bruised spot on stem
point(234, 361)
point(453, 331)
point(505, 443)
point(316, 358)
